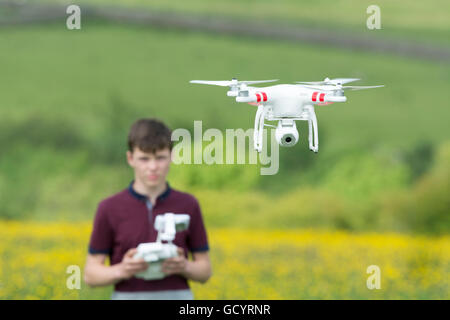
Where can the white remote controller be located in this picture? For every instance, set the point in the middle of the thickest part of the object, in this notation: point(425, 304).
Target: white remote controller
point(156, 252)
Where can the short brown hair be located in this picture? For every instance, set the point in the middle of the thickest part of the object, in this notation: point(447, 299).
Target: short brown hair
point(149, 135)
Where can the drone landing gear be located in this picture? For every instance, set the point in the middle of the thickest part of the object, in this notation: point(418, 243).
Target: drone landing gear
point(313, 136)
point(259, 127)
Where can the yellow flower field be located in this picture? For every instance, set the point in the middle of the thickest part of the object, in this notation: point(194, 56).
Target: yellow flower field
point(247, 264)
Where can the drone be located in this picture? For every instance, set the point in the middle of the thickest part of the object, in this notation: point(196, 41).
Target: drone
point(287, 103)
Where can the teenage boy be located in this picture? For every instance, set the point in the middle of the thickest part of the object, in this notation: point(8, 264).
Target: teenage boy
point(126, 219)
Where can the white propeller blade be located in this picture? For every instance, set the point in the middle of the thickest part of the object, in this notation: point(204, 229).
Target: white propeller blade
point(361, 87)
point(227, 83)
point(339, 87)
point(343, 80)
point(310, 82)
point(336, 81)
point(214, 83)
point(323, 87)
point(258, 81)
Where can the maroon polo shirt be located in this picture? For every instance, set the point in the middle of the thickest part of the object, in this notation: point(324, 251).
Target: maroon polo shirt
point(126, 219)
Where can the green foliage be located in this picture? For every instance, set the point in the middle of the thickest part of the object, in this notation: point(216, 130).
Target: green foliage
point(112, 135)
point(27, 170)
point(373, 196)
point(425, 207)
point(40, 130)
point(216, 177)
point(362, 176)
point(419, 159)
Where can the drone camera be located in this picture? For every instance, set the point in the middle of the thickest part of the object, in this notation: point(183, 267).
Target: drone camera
point(286, 133)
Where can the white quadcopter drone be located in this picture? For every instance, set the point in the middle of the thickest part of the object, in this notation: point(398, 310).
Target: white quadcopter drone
point(287, 103)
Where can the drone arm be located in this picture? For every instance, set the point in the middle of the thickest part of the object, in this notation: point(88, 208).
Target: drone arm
point(330, 98)
point(321, 97)
point(252, 95)
point(250, 98)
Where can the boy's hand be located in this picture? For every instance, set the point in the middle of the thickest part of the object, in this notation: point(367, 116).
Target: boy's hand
point(175, 265)
point(130, 266)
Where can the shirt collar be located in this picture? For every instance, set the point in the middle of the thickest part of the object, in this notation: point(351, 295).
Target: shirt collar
point(142, 197)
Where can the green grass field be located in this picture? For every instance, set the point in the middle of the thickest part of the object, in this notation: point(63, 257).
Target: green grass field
point(69, 97)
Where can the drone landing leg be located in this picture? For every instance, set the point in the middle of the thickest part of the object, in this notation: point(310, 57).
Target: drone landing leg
point(313, 120)
point(259, 127)
point(310, 134)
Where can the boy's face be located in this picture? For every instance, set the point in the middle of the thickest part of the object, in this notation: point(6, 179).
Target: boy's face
point(150, 169)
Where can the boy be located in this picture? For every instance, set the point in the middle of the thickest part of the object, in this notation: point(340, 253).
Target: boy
point(126, 219)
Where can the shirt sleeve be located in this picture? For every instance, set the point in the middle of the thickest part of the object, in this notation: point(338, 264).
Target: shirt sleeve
point(197, 240)
point(102, 234)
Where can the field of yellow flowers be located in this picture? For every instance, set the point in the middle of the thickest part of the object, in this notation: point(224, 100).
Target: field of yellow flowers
point(247, 264)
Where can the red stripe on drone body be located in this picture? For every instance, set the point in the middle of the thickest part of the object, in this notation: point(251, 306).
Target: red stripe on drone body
point(264, 96)
point(322, 95)
point(258, 97)
point(314, 96)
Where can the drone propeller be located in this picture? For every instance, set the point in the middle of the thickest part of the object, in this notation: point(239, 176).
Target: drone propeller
point(340, 87)
point(337, 81)
point(361, 87)
point(228, 83)
point(237, 88)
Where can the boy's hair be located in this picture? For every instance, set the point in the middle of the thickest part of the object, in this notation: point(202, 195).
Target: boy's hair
point(149, 135)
